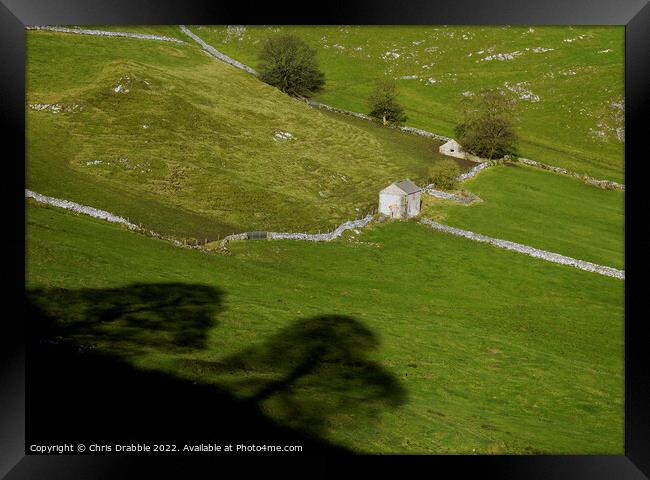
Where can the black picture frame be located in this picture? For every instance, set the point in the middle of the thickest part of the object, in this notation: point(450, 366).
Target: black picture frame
point(634, 14)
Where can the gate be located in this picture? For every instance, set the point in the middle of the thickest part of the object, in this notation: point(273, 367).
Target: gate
point(257, 235)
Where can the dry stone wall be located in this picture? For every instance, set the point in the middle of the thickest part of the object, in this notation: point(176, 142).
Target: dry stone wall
point(216, 53)
point(362, 116)
point(75, 207)
point(530, 251)
point(326, 237)
point(104, 215)
point(464, 199)
point(549, 256)
point(474, 171)
point(606, 184)
point(416, 131)
point(103, 33)
point(309, 237)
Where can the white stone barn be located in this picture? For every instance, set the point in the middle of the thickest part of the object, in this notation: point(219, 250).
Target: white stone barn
point(400, 200)
point(453, 149)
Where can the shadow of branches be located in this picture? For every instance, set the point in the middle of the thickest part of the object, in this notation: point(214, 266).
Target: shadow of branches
point(289, 387)
point(170, 316)
point(311, 371)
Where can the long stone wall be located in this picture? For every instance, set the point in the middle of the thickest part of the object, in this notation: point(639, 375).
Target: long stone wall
point(362, 116)
point(424, 133)
point(231, 61)
point(606, 184)
point(103, 33)
point(416, 131)
point(329, 108)
point(549, 256)
point(104, 215)
point(216, 53)
point(466, 200)
point(326, 237)
point(530, 251)
point(309, 237)
point(76, 207)
point(474, 171)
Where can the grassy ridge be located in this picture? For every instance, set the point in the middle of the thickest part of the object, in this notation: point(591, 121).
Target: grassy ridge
point(186, 145)
point(576, 73)
point(543, 210)
point(496, 352)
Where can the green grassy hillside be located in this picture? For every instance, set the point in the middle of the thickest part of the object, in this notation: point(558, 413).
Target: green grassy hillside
point(570, 80)
point(186, 145)
point(399, 339)
point(434, 344)
point(541, 209)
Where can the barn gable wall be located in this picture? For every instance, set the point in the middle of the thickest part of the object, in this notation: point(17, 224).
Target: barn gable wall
point(391, 204)
point(396, 203)
point(414, 204)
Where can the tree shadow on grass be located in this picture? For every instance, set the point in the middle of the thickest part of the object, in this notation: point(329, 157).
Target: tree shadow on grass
point(286, 390)
point(169, 316)
point(311, 372)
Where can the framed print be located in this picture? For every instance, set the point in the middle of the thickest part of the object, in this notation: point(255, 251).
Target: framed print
point(385, 234)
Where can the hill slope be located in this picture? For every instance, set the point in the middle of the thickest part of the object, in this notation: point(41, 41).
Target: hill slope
point(544, 210)
point(433, 344)
point(570, 80)
point(166, 136)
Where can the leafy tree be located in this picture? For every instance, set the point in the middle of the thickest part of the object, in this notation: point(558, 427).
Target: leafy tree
point(487, 129)
point(288, 63)
point(444, 174)
point(383, 103)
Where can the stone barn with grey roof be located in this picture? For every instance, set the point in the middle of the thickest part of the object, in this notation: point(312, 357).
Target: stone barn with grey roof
point(400, 200)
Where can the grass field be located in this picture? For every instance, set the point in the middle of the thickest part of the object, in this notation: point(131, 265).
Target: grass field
point(432, 344)
point(168, 137)
point(570, 80)
point(543, 210)
point(398, 339)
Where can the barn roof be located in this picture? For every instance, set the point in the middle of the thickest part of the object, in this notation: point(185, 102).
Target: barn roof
point(407, 186)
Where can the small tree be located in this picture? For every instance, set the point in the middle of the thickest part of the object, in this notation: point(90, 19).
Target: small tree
point(287, 62)
point(383, 103)
point(487, 129)
point(444, 174)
